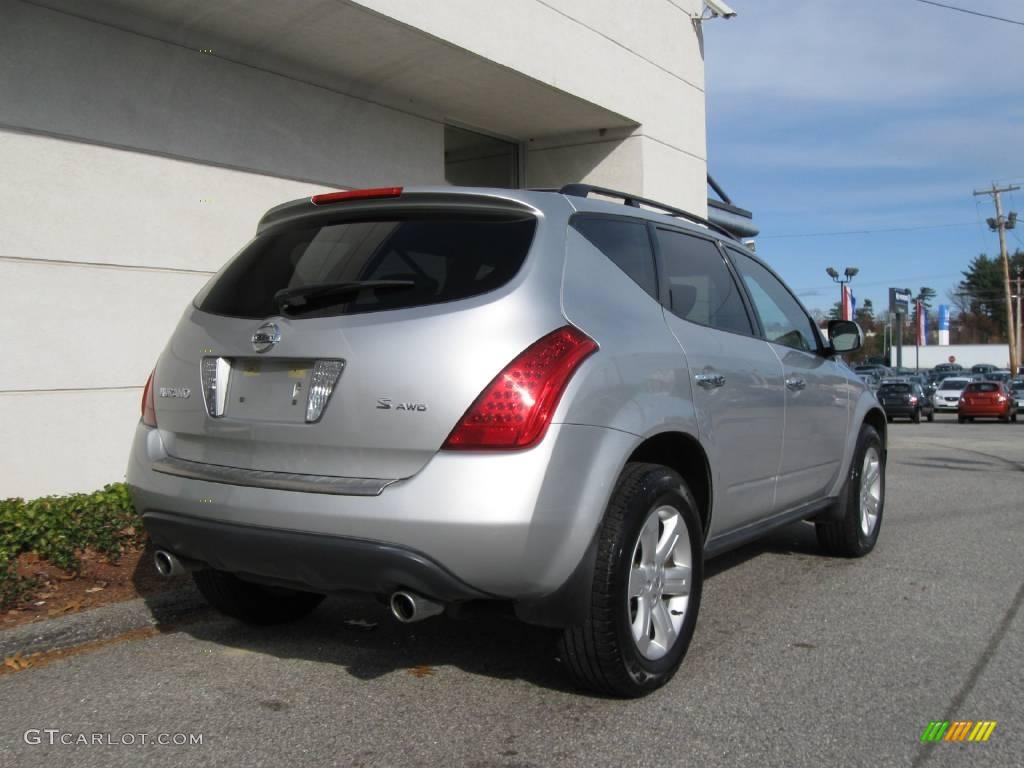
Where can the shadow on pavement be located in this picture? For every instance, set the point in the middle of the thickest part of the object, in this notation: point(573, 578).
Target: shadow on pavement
point(359, 633)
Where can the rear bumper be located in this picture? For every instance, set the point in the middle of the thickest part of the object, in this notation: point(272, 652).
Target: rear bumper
point(940, 406)
point(312, 562)
point(982, 412)
point(508, 525)
point(903, 410)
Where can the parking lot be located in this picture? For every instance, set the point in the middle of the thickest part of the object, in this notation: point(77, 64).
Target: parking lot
point(798, 660)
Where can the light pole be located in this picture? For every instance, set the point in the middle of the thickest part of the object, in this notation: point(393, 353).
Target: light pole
point(848, 274)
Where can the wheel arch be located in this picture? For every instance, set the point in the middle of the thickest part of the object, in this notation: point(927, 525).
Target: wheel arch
point(683, 453)
point(875, 417)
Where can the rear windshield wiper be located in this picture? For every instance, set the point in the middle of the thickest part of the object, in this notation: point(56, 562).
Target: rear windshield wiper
point(298, 297)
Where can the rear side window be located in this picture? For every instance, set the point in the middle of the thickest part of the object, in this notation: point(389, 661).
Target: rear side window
point(983, 388)
point(428, 260)
point(701, 288)
point(626, 244)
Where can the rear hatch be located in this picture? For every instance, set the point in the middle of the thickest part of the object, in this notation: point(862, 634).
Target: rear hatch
point(983, 394)
point(348, 341)
point(896, 395)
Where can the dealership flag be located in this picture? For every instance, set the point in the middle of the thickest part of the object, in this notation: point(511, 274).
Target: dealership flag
point(849, 303)
point(922, 325)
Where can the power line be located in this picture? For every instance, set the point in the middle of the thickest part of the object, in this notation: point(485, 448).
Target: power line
point(868, 231)
point(972, 13)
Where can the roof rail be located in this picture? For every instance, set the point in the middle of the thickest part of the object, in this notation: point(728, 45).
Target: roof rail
point(584, 190)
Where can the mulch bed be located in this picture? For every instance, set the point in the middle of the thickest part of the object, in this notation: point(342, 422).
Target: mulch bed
point(98, 583)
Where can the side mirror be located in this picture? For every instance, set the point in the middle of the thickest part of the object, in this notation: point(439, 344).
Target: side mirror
point(845, 335)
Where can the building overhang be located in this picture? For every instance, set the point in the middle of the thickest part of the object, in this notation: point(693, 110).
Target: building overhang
point(346, 47)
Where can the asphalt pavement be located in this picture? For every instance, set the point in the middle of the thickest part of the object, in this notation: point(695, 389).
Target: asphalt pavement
point(798, 660)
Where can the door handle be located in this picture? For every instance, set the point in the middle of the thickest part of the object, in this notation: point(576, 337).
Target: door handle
point(795, 385)
point(710, 380)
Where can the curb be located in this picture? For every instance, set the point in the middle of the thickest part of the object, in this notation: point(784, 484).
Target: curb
point(102, 623)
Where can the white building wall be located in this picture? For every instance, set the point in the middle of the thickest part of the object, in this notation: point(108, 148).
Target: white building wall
point(964, 354)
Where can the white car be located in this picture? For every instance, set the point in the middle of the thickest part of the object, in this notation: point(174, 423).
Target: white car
point(947, 396)
point(1017, 391)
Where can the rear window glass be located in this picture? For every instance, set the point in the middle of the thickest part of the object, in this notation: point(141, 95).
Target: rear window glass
point(1017, 385)
point(899, 388)
point(425, 260)
point(983, 388)
point(950, 384)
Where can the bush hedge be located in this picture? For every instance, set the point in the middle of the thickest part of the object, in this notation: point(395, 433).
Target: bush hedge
point(60, 528)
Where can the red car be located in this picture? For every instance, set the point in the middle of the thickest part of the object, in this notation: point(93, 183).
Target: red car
point(987, 399)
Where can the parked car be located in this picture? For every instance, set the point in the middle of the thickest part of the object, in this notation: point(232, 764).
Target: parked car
point(983, 368)
point(987, 399)
point(1017, 392)
point(905, 400)
point(948, 368)
point(449, 395)
point(1001, 375)
point(947, 396)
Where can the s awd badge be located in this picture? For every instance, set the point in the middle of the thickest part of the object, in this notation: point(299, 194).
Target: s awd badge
point(387, 404)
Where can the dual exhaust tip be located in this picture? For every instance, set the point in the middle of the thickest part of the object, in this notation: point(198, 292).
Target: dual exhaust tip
point(169, 565)
point(407, 607)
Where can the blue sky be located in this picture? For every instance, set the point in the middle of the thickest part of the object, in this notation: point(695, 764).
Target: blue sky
point(840, 115)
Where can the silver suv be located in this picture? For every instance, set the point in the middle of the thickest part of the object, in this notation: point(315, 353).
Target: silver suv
point(563, 400)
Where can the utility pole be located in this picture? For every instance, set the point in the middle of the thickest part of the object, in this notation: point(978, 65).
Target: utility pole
point(1000, 224)
point(1014, 371)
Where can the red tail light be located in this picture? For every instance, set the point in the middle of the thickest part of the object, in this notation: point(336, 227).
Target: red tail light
point(356, 194)
point(514, 410)
point(913, 399)
point(149, 403)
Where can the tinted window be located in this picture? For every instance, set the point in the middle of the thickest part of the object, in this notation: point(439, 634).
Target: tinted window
point(953, 384)
point(701, 289)
point(983, 388)
point(444, 259)
point(901, 389)
point(1017, 386)
point(626, 243)
point(784, 320)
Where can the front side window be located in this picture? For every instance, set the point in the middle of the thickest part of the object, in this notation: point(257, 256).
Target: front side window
point(701, 288)
point(782, 317)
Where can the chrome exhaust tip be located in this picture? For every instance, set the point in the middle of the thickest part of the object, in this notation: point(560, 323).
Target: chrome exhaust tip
point(169, 566)
point(408, 607)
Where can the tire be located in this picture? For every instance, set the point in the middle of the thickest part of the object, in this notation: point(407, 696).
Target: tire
point(855, 531)
point(961, 419)
point(888, 419)
point(1013, 417)
point(253, 603)
point(916, 418)
point(931, 415)
point(606, 654)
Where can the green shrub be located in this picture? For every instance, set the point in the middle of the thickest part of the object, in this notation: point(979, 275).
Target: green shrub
point(60, 528)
